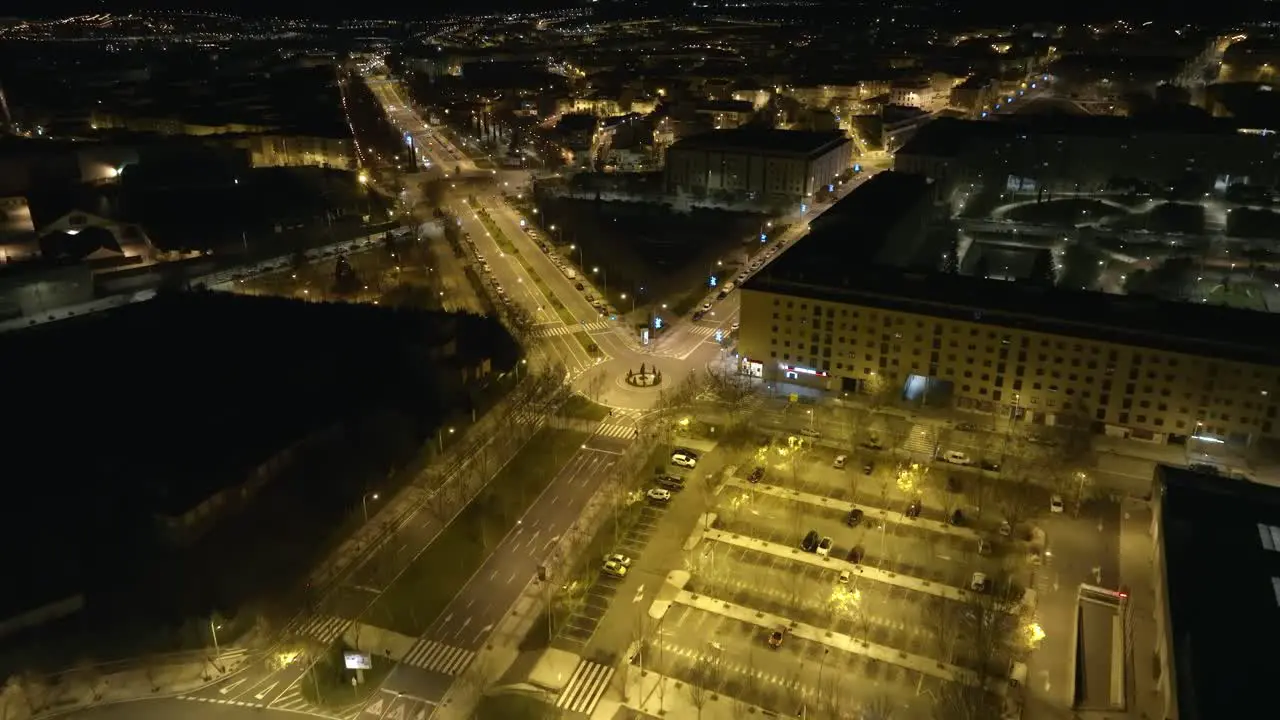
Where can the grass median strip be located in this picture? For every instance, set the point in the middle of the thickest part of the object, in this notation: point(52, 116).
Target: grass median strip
point(427, 586)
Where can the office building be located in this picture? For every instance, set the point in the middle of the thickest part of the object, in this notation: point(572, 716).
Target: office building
point(757, 164)
point(865, 293)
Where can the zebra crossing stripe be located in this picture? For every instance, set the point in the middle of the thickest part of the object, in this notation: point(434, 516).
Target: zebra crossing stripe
point(325, 628)
point(585, 687)
point(439, 657)
point(617, 431)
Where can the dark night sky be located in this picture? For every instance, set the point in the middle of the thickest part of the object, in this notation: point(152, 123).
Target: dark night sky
point(1220, 10)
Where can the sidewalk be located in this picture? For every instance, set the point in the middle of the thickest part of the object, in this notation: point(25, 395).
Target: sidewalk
point(1137, 574)
point(871, 512)
point(834, 640)
point(26, 698)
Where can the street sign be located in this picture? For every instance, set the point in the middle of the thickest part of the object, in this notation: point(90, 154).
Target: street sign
point(357, 661)
point(719, 335)
point(712, 281)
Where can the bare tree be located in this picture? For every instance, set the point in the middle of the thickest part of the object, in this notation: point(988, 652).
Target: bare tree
point(699, 693)
point(944, 618)
point(878, 708)
point(1018, 501)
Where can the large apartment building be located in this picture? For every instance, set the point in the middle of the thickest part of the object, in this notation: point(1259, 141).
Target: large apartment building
point(758, 164)
point(863, 295)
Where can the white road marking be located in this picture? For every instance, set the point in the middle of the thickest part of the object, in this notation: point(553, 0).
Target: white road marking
point(231, 687)
point(268, 689)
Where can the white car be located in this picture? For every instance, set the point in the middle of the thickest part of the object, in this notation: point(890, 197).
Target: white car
point(810, 432)
point(659, 495)
point(845, 576)
point(613, 569)
point(955, 457)
point(619, 558)
point(684, 461)
point(706, 306)
point(1055, 504)
point(840, 461)
point(978, 583)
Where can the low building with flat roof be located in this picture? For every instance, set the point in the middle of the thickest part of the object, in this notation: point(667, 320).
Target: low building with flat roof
point(758, 164)
point(1217, 595)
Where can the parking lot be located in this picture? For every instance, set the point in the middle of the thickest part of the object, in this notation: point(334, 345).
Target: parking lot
point(797, 678)
point(591, 606)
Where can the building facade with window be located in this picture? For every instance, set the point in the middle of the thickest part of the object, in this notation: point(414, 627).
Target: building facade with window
point(832, 312)
point(756, 163)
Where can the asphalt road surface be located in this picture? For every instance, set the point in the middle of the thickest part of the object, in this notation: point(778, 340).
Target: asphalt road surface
point(452, 640)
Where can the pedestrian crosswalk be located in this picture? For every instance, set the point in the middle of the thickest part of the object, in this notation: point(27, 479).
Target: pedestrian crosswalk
point(585, 687)
point(555, 330)
point(325, 628)
point(438, 657)
point(920, 440)
point(616, 431)
point(704, 331)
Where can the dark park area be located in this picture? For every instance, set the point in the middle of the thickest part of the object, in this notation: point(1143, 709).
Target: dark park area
point(646, 249)
point(191, 456)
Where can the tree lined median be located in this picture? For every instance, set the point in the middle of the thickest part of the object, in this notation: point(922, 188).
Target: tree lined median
point(427, 586)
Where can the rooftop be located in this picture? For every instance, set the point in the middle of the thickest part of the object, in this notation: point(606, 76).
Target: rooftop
point(1221, 545)
point(948, 136)
point(798, 142)
point(845, 259)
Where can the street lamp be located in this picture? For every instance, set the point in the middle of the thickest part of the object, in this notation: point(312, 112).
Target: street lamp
point(364, 503)
point(440, 437)
point(213, 631)
point(633, 300)
point(605, 274)
point(574, 246)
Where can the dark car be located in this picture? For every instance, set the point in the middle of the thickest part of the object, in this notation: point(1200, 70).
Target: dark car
point(913, 510)
point(989, 465)
point(577, 286)
point(670, 482)
point(966, 426)
point(810, 541)
point(868, 468)
point(853, 518)
point(957, 517)
point(855, 554)
point(697, 315)
point(756, 475)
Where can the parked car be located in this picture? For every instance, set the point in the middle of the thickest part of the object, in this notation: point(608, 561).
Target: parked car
point(867, 468)
point(839, 462)
point(684, 461)
point(984, 546)
point(1055, 504)
point(854, 517)
point(577, 286)
point(845, 577)
point(810, 432)
point(670, 482)
point(957, 517)
point(913, 510)
point(855, 555)
point(824, 547)
point(978, 583)
point(706, 306)
point(989, 465)
point(756, 475)
point(955, 457)
point(966, 426)
point(1005, 528)
point(619, 558)
point(775, 637)
point(810, 541)
point(614, 569)
point(660, 495)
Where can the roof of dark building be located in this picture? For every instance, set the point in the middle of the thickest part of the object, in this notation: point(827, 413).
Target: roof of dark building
point(799, 142)
point(1221, 543)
